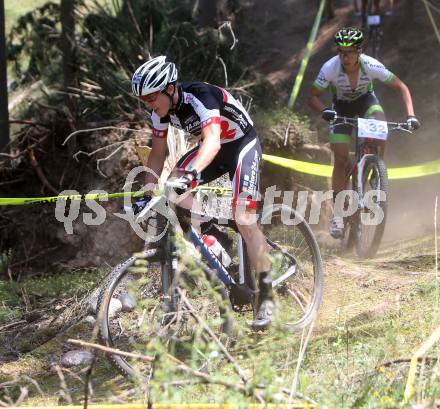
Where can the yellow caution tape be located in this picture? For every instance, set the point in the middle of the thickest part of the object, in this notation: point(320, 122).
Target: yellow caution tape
point(305, 60)
point(292, 405)
point(4, 201)
point(310, 168)
point(416, 171)
point(425, 169)
point(14, 201)
point(431, 19)
point(428, 344)
point(304, 167)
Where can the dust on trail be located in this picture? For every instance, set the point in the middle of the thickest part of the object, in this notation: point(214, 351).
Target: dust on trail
point(278, 56)
point(412, 208)
point(357, 292)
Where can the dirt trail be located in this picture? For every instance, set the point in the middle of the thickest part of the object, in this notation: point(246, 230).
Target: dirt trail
point(357, 294)
point(278, 57)
point(358, 291)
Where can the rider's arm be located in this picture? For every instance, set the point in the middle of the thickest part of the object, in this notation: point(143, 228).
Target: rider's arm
point(314, 101)
point(321, 83)
point(399, 86)
point(209, 147)
point(156, 160)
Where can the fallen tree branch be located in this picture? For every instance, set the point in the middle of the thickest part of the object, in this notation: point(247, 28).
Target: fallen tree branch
point(180, 365)
point(193, 312)
point(228, 25)
point(33, 123)
point(88, 154)
point(109, 350)
point(12, 324)
point(20, 153)
point(100, 129)
point(11, 182)
point(121, 145)
point(40, 172)
point(204, 377)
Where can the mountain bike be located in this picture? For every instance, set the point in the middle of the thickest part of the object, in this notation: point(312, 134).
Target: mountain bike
point(372, 26)
point(180, 292)
point(364, 228)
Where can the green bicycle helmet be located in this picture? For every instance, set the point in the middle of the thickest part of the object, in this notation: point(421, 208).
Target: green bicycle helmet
point(348, 37)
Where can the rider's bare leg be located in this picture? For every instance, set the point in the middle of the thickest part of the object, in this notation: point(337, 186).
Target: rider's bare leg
point(256, 245)
point(340, 154)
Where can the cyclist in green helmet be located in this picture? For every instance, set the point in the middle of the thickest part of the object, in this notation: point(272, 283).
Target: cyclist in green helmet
point(349, 76)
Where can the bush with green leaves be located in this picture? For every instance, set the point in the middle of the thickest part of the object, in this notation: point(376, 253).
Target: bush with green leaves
point(112, 40)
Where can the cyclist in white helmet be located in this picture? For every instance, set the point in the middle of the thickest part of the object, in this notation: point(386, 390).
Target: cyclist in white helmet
point(228, 144)
point(349, 76)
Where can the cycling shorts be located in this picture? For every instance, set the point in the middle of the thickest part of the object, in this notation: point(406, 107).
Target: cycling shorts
point(241, 160)
point(364, 107)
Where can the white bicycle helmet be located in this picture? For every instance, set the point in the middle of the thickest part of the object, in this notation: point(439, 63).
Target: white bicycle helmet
point(152, 76)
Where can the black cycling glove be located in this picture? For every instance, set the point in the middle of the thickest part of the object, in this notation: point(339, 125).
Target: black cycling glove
point(328, 114)
point(140, 204)
point(412, 122)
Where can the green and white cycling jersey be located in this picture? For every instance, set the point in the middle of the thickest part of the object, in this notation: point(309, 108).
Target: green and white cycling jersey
point(333, 75)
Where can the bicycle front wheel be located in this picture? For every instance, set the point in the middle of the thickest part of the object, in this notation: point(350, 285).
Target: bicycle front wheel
point(297, 272)
point(371, 219)
point(146, 312)
point(126, 303)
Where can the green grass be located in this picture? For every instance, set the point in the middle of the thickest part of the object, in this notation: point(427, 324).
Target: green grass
point(43, 289)
point(351, 361)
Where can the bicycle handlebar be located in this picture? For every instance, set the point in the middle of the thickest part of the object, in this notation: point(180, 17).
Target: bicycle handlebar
point(400, 126)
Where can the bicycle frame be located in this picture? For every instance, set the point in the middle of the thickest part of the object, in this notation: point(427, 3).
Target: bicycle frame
point(363, 150)
point(169, 257)
point(362, 153)
point(193, 236)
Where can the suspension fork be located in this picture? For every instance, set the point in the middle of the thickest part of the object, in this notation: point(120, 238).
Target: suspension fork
point(168, 268)
point(363, 152)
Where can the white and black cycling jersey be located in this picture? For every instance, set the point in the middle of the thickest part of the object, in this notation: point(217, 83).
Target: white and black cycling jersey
point(201, 104)
point(333, 75)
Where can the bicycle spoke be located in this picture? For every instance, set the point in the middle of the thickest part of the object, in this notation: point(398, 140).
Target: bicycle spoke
point(297, 294)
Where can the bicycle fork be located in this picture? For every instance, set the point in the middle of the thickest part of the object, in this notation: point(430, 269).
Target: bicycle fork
point(360, 175)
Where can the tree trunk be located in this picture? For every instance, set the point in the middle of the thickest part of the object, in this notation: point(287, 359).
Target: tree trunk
point(68, 49)
point(207, 13)
point(4, 114)
point(409, 11)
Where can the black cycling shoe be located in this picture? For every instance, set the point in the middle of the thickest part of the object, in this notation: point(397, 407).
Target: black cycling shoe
point(265, 315)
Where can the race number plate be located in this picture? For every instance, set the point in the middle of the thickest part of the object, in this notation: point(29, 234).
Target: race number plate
point(373, 20)
point(372, 128)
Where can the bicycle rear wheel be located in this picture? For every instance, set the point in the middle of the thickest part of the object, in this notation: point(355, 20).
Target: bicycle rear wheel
point(158, 319)
point(297, 272)
point(350, 223)
point(369, 231)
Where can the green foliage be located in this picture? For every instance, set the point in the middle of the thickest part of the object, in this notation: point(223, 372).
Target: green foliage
point(5, 257)
point(31, 43)
point(10, 301)
point(62, 285)
point(46, 288)
point(111, 42)
point(16, 8)
point(272, 125)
